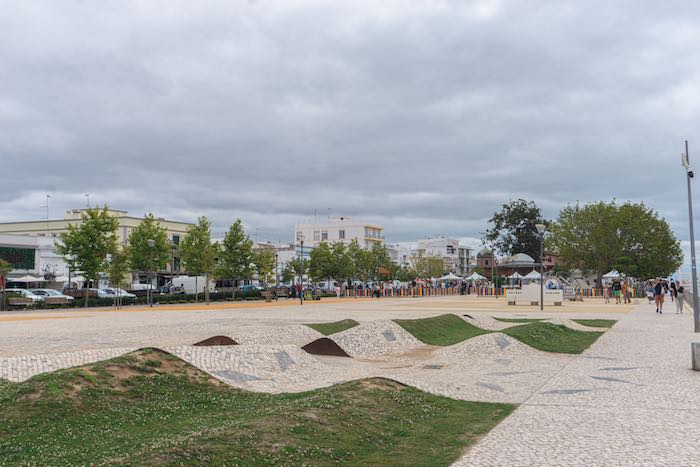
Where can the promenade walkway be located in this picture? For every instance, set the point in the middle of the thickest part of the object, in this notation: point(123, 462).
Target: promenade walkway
point(631, 399)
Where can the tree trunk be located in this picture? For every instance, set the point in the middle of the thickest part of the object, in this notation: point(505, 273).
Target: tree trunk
point(86, 291)
point(206, 288)
point(233, 289)
point(196, 289)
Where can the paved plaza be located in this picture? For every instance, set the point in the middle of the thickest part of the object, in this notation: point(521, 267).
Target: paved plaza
point(629, 399)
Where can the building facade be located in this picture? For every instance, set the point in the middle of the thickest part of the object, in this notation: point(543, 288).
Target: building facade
point(339, 229)
point(456, 256)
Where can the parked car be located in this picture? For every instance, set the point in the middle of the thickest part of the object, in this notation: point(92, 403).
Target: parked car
point(24, 293)
point(250, 288)
point(51, 293)
point(168, 289)
point(80, 293)
point(113, 291)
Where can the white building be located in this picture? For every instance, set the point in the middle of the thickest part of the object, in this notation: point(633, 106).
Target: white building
point(400, 254)
point(31, 255)
point(457, 258)
point(339, 229)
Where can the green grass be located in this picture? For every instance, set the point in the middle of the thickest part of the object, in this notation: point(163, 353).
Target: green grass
point(553, 337)
point(442, 330)
point(331, 328)
point(132, 411)
point(596, 323)
point(518, 320)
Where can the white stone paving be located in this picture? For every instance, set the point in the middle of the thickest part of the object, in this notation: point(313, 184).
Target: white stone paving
point(631, 399)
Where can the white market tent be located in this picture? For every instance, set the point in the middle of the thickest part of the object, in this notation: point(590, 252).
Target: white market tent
point(61, 279)
point(532, 275)
point(449, 277)
point(612, 275)
point(516, 275)
point(26, 279)
point(475, 276)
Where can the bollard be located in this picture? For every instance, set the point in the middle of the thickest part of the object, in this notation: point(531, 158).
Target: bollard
point(695, 351)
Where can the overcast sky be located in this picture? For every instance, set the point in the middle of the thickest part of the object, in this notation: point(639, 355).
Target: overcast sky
point(423, 116)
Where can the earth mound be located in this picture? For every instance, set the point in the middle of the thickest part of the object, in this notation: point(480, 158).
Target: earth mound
point(325, 346)
point(217, 340)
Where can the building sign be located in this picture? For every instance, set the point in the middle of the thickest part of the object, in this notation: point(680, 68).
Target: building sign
point(19, 258)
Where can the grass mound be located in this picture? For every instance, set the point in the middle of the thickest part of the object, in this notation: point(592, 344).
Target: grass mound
point(518, 320)
point(442, 330)
point(596, 323)
point(151, 408)
point(331, 328)
point(551, 337)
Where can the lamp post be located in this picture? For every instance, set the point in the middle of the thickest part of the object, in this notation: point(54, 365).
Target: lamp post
point(301, 272)
point(685, 161)
point(277, 275)
point(149, 293)
point(173, 250)
point(541, 229)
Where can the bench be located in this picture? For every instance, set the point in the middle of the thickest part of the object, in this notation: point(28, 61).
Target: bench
point(20, 301)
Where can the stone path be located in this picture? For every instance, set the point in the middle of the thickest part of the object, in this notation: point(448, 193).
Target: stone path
point(631, 399)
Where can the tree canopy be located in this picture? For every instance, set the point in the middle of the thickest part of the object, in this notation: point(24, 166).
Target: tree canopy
point(143, 257)
point(264, 261)
point(236, 254)
point(513, 229)
point(602, 236)
point(86, 246)
point(197, 251)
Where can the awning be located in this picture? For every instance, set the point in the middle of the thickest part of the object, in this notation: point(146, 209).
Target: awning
point(26, 279)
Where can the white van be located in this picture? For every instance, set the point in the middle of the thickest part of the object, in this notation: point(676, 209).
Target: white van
point(190, 284)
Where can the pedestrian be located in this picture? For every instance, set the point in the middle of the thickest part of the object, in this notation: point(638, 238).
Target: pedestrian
point(626, 292)
point(680, 297)
point(659, 293)
point(617, 290)
point(606, 292)
point(672, 287)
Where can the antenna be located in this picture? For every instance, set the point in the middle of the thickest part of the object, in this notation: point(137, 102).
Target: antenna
point(87, 196)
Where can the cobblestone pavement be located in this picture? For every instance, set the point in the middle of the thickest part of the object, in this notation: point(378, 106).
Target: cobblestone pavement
point(631, 399)
point(46, 332)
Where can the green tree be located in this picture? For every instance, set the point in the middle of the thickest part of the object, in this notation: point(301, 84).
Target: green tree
point(295, 267)
point(5, 269)
point(87, 245)
point(320, 262)
point(379, 259)
point(288, 273)
point(142, 256)
point(342, 264)
point(360, 261)
point(198, 253)
point(602, 236)
point(264, 260)
point(236, 254)
point(117, 271)
point(513, 229)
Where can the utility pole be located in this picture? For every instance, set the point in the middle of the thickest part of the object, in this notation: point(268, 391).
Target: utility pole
point(689, 174)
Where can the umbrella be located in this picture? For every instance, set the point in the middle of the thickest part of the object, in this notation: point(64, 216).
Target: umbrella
point(26, 279)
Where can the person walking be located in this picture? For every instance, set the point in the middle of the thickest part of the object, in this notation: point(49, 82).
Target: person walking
point(659, 293)
point(626, 293)
point(680, 297)
point(617, 290)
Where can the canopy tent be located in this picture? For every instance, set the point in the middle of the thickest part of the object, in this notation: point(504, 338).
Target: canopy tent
point(26, 279)
point(61, 279)
point(450, 277)
point(475, 276)
point(516, 275)
point(612, 275)
point(532, 275)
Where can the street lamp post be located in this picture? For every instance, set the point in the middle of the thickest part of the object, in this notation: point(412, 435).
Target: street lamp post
point(301, 272)
point(149, 293)
point(541, 229)
point(685, 160)
point(277, 275)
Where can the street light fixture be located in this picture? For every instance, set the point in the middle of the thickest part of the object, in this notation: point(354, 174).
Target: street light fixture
point(689, 172)
point(541, 229)
point(149, 294)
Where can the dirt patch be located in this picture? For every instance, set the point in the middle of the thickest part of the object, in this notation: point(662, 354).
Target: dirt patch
point(381, 383)
point(217, 340)
point(325, 346)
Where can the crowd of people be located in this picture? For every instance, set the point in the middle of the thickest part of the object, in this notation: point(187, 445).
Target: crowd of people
point(657, 289)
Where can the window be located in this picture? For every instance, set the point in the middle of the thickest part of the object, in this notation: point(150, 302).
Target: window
point(176, 239)
point(300, 236)
point(341, 234)
point(19, 258)
point(317, 235)
point(324, 235)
